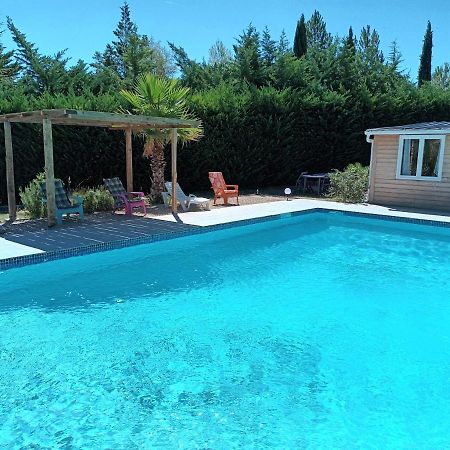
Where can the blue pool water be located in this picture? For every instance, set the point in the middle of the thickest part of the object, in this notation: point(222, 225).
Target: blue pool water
point(314, 331)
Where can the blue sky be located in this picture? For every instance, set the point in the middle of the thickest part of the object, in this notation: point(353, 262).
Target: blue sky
point(86, 26)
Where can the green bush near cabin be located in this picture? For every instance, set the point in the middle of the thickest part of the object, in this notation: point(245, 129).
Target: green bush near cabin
point(350, 185)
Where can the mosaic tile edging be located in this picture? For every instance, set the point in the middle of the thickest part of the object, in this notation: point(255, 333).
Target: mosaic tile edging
point(20, 261)
point(428, 222)
point(25, 260)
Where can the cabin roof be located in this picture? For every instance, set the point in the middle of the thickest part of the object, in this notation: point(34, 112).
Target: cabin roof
point(414, 128)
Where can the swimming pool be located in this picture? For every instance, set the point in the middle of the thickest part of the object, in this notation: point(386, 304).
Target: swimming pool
point(316, 331)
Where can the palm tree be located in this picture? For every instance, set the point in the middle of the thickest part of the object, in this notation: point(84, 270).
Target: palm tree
point(158, 97)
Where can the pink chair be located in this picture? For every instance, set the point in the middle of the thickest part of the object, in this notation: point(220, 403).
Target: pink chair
point(122, 198)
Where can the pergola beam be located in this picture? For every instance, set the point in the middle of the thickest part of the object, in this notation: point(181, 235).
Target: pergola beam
point(11, 189)
point(98, 119)
point(120, 126)
point(129, 158)
point(173, 139)
point(49, 171)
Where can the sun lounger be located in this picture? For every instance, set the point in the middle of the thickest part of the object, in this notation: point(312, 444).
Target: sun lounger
point(184, 200)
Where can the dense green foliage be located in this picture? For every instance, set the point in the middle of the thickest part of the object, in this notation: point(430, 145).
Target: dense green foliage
point(267, 115)
point(351, 184)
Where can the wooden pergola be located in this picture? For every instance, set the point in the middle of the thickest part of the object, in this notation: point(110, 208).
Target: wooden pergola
point(49, 117)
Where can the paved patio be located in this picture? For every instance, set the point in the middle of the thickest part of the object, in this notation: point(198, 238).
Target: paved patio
point(34, 237)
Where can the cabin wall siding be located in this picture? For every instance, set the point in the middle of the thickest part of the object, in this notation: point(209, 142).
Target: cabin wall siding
point(386, 189)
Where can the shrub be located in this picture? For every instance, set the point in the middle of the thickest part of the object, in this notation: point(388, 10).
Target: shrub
point(105, 202)
point(31, 198)
point(97, 199)
point(350, 185)
point(88, 201)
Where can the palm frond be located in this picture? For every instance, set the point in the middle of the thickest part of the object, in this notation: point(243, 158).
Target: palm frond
point(159, 97)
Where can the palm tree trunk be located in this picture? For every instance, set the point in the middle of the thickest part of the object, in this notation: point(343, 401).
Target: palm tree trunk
point(157, 165)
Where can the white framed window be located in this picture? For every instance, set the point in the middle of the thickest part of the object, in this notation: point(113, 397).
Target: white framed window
point(420, 157)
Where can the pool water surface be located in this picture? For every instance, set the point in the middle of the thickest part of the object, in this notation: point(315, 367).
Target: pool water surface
point(314, 331)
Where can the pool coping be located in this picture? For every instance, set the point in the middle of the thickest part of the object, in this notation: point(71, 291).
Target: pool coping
point(46, 256)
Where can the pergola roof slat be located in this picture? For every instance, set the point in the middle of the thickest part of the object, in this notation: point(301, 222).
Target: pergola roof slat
point(96, 118)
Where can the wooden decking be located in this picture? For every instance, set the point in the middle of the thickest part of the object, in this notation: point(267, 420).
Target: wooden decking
point(95, 230)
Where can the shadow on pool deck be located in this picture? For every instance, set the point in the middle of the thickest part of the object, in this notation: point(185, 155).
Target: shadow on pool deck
point(95, 230)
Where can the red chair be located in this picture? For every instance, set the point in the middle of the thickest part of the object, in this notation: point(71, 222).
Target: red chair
point(221, 189)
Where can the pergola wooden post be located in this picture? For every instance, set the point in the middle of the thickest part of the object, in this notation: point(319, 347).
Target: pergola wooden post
point(129, 158)
point(114, 121)
point(173, 139)
point(12, 208)
point(49, 171)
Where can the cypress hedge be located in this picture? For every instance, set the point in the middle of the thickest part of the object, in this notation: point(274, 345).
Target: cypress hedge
point(257, 137)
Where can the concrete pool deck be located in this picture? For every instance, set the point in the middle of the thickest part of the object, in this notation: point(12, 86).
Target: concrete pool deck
point(233, 213)
point(34, 238)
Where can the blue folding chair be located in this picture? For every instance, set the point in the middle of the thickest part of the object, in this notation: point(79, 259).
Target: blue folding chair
point(64, 206)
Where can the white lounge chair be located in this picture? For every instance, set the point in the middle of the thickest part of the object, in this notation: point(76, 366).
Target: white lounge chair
point(184, 200)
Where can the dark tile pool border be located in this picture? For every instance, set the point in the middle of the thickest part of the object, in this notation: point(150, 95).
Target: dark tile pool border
point(20, 261)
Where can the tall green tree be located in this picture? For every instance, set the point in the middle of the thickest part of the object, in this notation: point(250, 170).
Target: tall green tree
point(155, 96)
point(300, 40)
point(8, 67)
point(132, 53)
point(349, 42)
point(283, 44)
point(40, 73)
point(369, 45)
point(193, 74)
point(248, 56)
point(425, 57)
point(220, 66)
point(346, 65)
point(268, 47)
point(218, 54)
point(395, 57)
point(316, 32)
point(441, 76)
